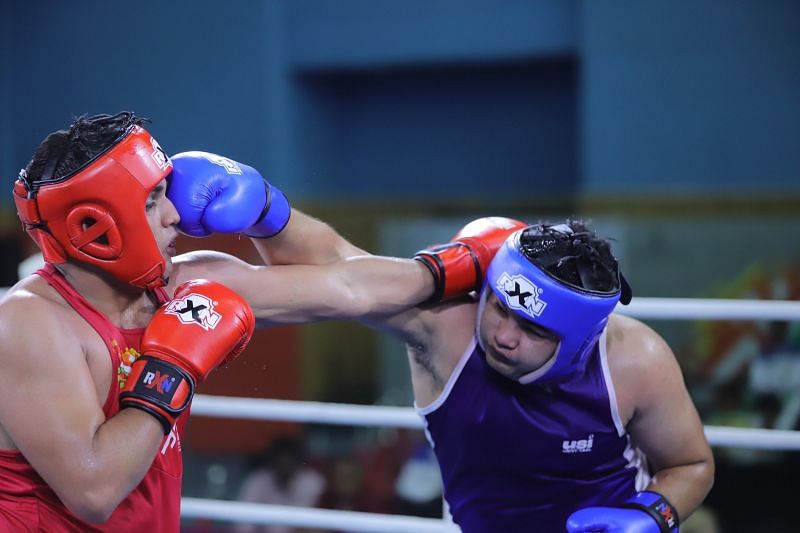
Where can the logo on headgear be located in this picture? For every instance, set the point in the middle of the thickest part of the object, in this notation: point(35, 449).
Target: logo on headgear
point(159, 155)
point(230, 166)
point(520, 293)
point(195, 309)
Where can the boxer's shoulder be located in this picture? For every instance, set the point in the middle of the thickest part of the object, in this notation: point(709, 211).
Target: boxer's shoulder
point(638, 359)
point(205, 264)
point(632, 346)
point(34, 295)
point(35, 316)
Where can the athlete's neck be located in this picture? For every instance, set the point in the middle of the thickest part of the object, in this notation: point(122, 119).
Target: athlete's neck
point(125, 305)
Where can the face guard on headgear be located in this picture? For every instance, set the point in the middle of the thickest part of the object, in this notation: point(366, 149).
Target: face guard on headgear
point(576, 315)
point(96, 214)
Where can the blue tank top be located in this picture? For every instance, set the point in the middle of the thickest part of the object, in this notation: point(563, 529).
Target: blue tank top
point(519, 457)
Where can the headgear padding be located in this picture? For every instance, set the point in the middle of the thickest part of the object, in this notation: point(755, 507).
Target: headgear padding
point(96, 214)
point(577, 316)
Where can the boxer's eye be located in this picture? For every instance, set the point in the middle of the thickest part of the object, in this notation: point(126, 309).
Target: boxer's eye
point(536, 331)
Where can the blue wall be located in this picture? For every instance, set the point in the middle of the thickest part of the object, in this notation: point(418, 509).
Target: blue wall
point(692, 97)
point(413, 100)
point(200, 82)
point(7, 154)
point(448, 132)
point(353, 34)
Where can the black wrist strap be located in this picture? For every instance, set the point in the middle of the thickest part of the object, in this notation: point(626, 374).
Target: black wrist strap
point(433, 263)
point(267, 203)
point(155, 390)
point(660, 510)
point(166, 423)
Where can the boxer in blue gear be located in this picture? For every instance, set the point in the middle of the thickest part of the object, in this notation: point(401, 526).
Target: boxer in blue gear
point(519, 283)
point(214, 194)
point(546, 411)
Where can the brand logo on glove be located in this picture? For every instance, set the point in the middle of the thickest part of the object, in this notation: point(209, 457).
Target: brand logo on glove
point(230, 166)
point(159, 155)
point(666, 513)
point(520, 293)
point(157, 380)
point(195, 309)
point(161, 382)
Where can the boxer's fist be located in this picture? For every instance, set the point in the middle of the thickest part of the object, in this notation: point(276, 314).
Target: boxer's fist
point(647, 512)
point(204, 325)
point(459, 266)
point(216, 194)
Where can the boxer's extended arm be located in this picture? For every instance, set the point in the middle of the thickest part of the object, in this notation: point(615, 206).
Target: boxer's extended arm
point(292, 245)
point(370, 288)
point(49, 411)
point(355, 287)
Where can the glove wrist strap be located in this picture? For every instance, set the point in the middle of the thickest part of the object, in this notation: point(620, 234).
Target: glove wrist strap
point(159, 388)
point(658, 507)
point(455, 268)
point(274, 216)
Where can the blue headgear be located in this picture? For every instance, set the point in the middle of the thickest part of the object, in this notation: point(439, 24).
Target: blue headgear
point(576, 315)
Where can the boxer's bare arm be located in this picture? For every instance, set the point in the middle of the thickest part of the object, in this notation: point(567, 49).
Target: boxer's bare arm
point(661, 418)
point(49, 410)
point(436, 336)
point(355, 287)
point(305, 241)
point(379, 291)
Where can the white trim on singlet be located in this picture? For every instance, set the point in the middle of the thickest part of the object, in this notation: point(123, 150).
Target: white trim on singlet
point(634, 456)
point(638, 460)
point(612, 395)
point(435, 404)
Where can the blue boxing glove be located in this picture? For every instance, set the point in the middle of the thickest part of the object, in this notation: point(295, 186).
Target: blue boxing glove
point(647, 512)
point(214, 194)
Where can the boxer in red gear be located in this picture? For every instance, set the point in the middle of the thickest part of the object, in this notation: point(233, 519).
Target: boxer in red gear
point(82, 438)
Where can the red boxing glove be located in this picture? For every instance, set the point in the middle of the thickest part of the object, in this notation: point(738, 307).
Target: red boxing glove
point(205, 324)
point(458, 267)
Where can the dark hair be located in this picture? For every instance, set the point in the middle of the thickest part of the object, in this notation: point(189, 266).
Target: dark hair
point(65, 151)
point(573, 254)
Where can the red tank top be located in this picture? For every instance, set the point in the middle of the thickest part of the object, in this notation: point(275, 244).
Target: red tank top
point(28, 504)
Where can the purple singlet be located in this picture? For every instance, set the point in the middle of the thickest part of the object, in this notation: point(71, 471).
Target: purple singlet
point(519, 457)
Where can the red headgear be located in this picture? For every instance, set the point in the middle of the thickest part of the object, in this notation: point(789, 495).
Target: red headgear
point(97, 213)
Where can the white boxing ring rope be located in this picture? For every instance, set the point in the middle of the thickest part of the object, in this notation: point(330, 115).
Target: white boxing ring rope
point(711, 309)
point(405, 417)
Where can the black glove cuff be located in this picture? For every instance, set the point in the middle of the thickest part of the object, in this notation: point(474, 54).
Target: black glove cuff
point(271, 221)
point(166, 423)
point(155, 390)
point(658, 507)
point(433, 263)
